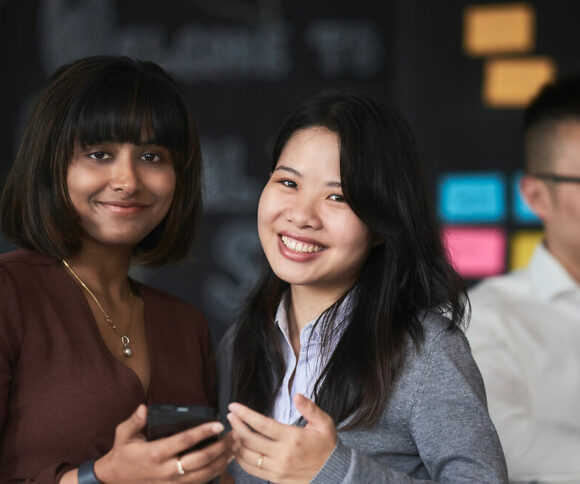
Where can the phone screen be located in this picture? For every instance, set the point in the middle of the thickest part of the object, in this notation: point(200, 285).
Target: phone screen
point(165, 420)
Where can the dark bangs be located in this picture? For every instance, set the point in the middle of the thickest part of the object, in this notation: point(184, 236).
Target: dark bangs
point(131, 108)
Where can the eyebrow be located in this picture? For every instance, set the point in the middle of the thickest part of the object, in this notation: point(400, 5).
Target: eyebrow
point(335, 184)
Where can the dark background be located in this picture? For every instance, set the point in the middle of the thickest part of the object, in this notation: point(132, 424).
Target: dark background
point(246, 63)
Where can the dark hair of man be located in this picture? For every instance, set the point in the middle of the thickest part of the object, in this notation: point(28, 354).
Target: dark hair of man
point(406, 273)
point(556, 102)
point(90, 101)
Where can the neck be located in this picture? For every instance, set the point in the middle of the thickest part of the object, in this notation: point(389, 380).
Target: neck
point(567, 258)
point(307, 304)
point(105, 272)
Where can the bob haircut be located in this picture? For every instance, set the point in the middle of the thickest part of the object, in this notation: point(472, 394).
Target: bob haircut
point(90, 101)
point(406, 273)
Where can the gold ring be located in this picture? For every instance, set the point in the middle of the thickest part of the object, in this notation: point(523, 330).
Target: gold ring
point(260, 460)
point(180, 469)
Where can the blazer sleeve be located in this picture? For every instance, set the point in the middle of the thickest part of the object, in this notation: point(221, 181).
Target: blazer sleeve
point(450, 425)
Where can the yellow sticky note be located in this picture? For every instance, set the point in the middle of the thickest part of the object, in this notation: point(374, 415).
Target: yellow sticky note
point(522, 245)
point(499, 29)
point(513, 82)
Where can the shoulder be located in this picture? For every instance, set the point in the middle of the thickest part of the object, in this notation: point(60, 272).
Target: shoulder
point(27, 270)
point(501, 289)
point(442, 356)
point(496, 305)
point(22, 258)
point(441, 337)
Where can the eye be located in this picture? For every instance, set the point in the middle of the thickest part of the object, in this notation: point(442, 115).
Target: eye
point(336, 197)
point(99, 155)
point(288, 183)
point(150, 157)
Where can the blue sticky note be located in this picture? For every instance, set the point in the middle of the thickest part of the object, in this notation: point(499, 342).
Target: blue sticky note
point(472, 197)
point(521, 211)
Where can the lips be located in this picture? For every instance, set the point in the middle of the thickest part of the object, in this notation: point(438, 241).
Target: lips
point(123, 206)
point(300, 246)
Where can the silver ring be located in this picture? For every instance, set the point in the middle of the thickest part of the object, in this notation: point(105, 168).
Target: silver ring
point(260, 461)
point(180, 469)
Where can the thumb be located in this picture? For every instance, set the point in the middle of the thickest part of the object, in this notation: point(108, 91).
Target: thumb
point(313, 414)
point(131, 428)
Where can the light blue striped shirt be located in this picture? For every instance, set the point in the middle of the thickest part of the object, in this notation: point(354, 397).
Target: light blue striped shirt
point(310, 362)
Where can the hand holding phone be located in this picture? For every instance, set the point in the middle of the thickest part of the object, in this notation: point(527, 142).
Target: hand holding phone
point(164, 420)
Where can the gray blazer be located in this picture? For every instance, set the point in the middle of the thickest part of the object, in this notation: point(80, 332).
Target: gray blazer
point(434, 428)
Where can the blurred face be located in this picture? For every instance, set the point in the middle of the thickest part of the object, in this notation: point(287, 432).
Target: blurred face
point(121, 191)
point(561, 211)
point(309, 234)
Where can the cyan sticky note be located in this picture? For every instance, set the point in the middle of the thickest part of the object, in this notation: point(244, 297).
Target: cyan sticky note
point(476, 251)
point(472, 197)
point(521, 211)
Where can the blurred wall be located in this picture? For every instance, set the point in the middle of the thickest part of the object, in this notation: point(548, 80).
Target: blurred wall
point(246, 63)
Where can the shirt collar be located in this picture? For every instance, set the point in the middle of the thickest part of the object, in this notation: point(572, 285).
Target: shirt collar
point(340, 323)
point(548, 277)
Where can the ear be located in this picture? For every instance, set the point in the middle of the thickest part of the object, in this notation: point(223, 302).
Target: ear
point(537, 195)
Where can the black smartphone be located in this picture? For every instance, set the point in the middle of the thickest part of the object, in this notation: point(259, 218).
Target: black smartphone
point(165, 420)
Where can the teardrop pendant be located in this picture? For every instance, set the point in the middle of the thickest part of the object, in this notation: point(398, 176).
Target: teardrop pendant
point(127, 351)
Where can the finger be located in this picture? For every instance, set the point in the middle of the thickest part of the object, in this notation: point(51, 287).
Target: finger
point(265, 425)
point(210, 468)
point(203, 474)
point(313, 414)
point(246, 437)
point(254, 463)
point(251, 459)
point(131, 428)
point(200, 458)
point(175, 444)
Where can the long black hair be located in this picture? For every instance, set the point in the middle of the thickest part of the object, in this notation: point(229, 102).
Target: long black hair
point(406, 273)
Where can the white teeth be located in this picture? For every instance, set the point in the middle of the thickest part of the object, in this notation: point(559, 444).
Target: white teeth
point(300, 246)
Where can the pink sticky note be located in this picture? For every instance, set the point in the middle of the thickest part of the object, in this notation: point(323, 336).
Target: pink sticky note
point(476, 251)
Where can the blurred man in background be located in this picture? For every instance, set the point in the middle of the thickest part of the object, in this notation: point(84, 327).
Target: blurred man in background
point(525, 327)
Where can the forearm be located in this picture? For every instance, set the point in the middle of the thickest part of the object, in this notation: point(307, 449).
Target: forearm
point(347, 466)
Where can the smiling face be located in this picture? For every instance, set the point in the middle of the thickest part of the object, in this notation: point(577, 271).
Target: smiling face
point(121, 191)
point(310, 235)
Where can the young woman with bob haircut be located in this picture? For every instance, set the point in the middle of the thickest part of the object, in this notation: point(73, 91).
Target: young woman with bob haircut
point(348, 363)
point(108, 173)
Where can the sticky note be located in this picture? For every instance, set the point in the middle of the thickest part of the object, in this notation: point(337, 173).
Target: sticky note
point(499, 29)
point(472, 197)
point(522, 245)
point(476, 251)
point(521, 211)
point(513, 82)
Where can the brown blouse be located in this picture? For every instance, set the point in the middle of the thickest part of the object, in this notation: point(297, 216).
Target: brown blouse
point(62, 392)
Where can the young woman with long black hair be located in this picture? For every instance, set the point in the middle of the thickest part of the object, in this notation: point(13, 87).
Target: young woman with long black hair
point(348, 363)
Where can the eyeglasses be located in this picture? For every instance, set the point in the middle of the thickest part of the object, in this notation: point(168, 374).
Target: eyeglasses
point(556, 178)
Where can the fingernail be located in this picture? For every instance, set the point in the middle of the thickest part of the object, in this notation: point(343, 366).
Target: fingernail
point(217, 428)
point(229, 416)
point(142, 412)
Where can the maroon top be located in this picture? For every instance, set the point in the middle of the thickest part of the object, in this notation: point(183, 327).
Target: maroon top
point(62, 392)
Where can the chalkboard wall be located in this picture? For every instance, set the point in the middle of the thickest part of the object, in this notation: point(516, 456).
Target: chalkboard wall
point(245, 64)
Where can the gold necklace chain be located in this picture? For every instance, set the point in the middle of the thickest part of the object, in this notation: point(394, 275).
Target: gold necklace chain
point(127, 351)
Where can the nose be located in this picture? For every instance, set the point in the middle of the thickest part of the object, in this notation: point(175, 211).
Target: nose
point(124, 175)
point(304, 212)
